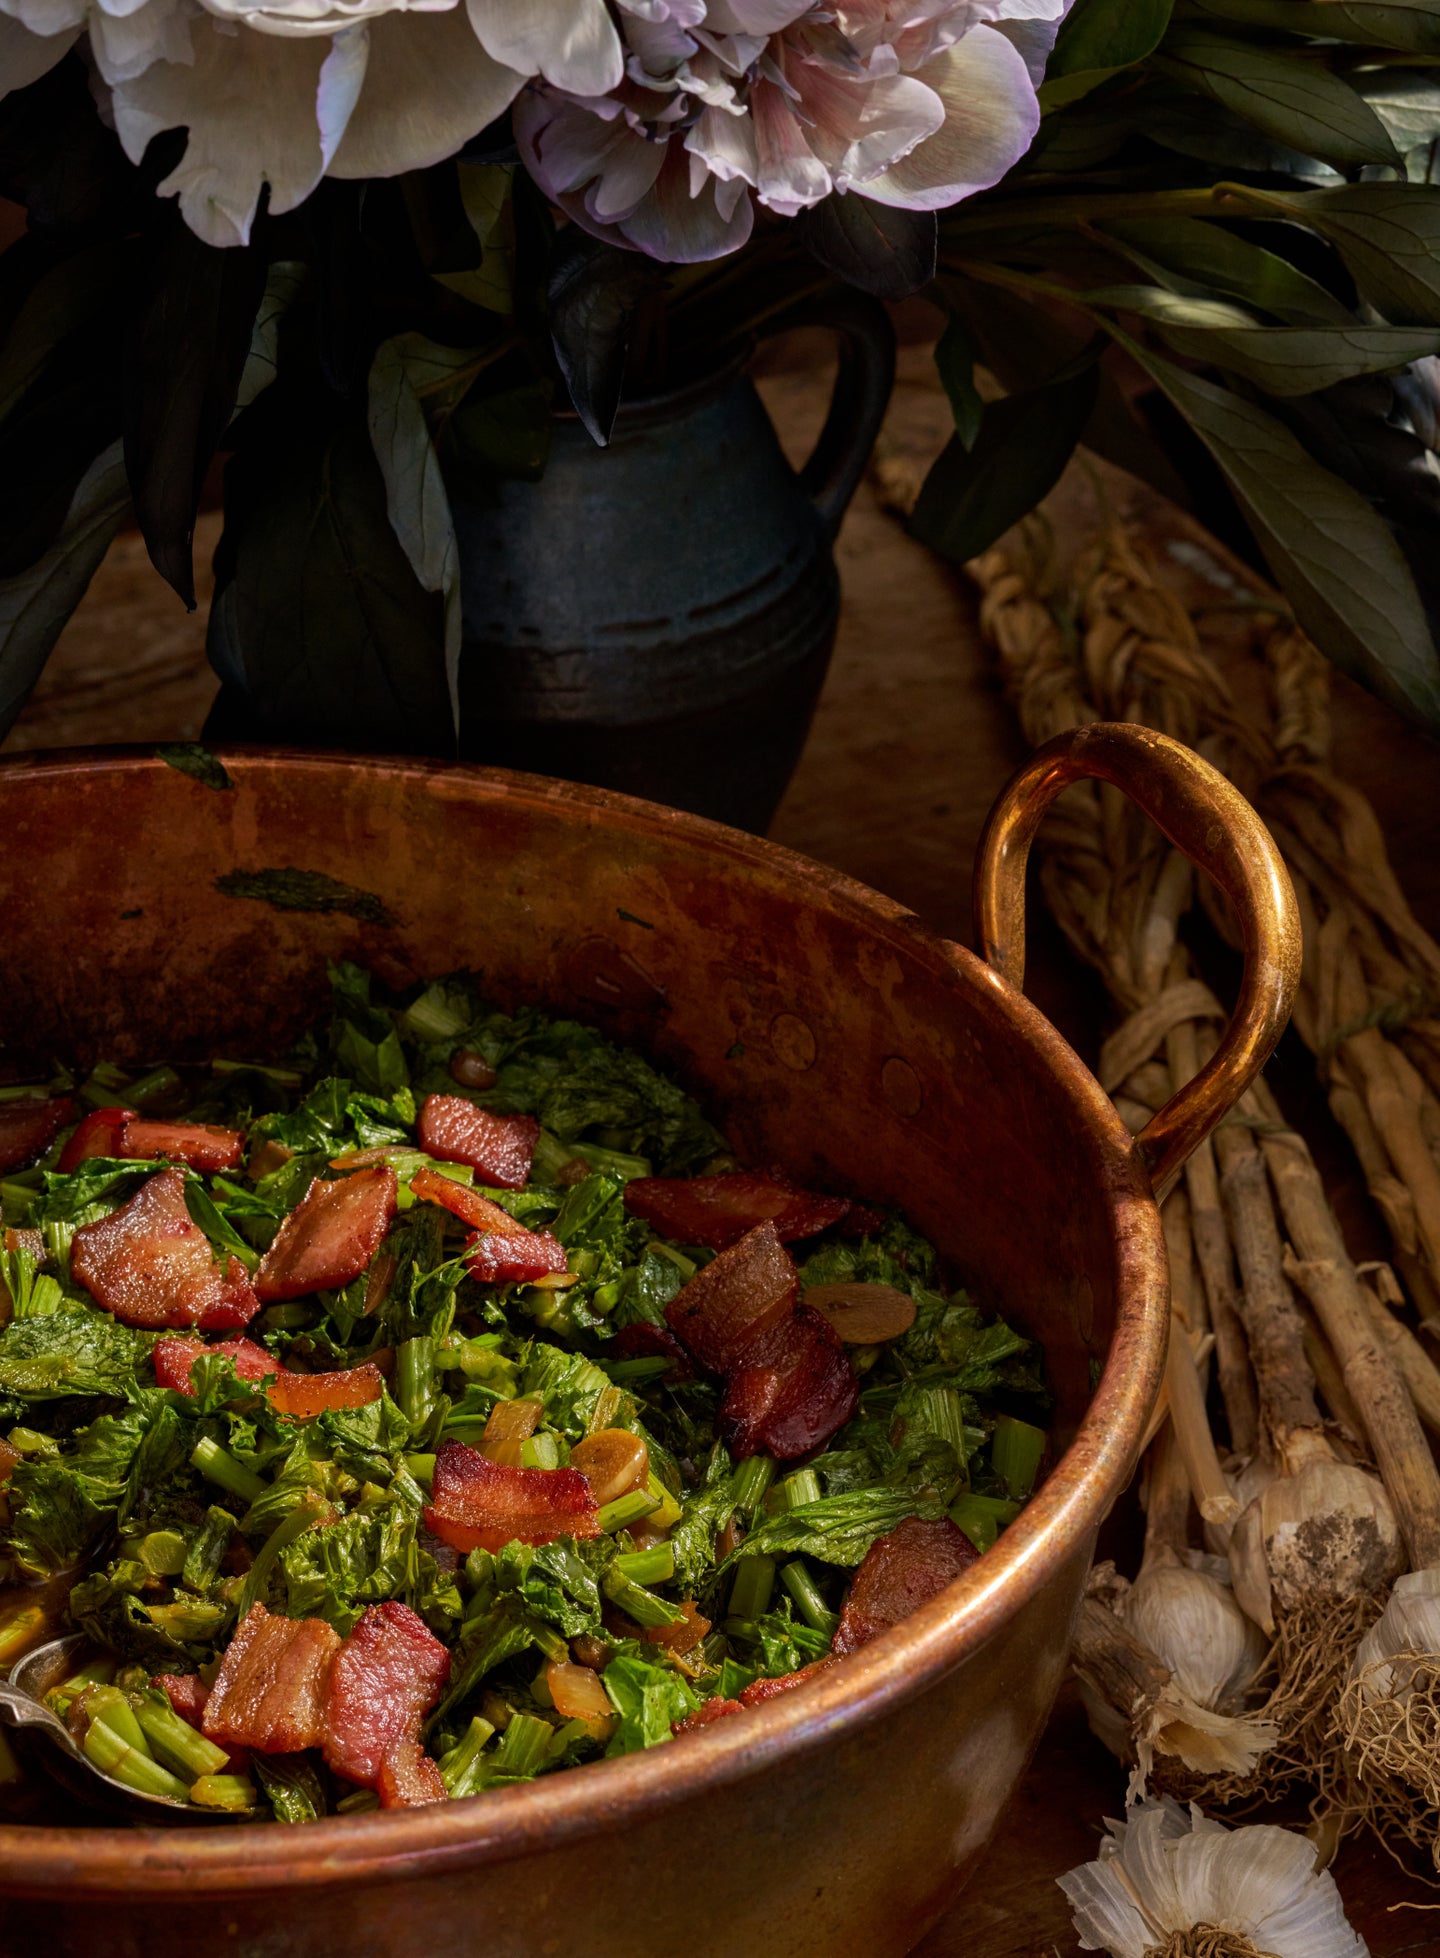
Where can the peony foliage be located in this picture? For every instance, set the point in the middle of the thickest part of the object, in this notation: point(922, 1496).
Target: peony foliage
point(363, 249)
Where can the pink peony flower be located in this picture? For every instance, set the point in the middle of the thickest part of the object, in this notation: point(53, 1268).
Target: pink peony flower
point(916, 103)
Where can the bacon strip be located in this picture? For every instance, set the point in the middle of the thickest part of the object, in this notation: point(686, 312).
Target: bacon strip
point(483, 1505)
point(719, 1210)
point(150, 1265)
point(188, 1696)
point(500, 1148)
point(755, 1694)
point(270, 1692)
point(901, 1570)
point(387, 1676)
point(788, 1383)
point(300, 1395)
point(97, 1135)
point(193, 1143)
point(738, 1296)
point(796, 1389)
point(175, 1360)
point(27, 1128)
point(503, 1251)
point(330, 1236)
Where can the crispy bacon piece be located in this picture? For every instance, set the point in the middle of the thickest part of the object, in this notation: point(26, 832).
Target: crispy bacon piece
point(175, 1360)
point(150, 1265)
point(796, 1389)
point(683, 1637)
point(408, 1778)
point(27, 1128)
point(32, 1242)
point(97, 1135)
point(483, 1505)
point(304, 1395)
point(503, 1251)
point(788, 1383)
point(500, 1148)
point(300, 1395)
point(270, 1691)
point(760, 1690)
point(744, 1292)
point(8, 1458)
point(861, 1221)
point(902, 1570)
point(330, 1236)
point(186, 1692)
point(705, 1715)
point(719, 1210)
point(193, 1143)
point(387, 1676)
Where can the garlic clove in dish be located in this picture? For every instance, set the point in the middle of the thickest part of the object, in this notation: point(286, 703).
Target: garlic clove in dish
point(1167, 1877)
point(1326, 1532)
point(1192, 1622)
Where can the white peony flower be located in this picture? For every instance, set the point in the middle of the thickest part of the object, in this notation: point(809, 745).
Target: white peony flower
point(1164, 1872)
point(280, 92)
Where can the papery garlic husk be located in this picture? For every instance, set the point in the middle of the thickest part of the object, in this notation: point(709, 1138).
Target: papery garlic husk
point(1165, 1873)
point(1192, 1622)
point(1408, 1628)
point(1326, 1532)
point(1247, 1481)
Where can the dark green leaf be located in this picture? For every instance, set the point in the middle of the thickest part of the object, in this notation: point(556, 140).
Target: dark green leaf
point(1412, 25)
point(194, 759)
point(1194, 125)
point(1331, 553)
point(505, 435)
point(1107, 34)
point(878, 247)
point(1407, 101)
point(291, 1784)
point(57, 158)
point(36, 603)
point(54, 1520)
point(289, 889)
point(648, 1697)
point(1192, 256)
point(595, 291)
point(318, 619)
point(1289, 98)
point(970, 499)
point(955, 364)
point(1388, 235)
point(187, 350)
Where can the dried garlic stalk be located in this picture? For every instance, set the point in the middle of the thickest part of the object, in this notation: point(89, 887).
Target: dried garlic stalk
point(1168, 1884)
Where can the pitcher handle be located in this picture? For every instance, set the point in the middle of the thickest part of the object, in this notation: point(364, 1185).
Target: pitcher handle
point(862, 393)
point(1207, 818)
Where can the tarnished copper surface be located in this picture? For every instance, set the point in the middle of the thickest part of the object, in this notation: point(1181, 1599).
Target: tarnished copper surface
point(830, 1033)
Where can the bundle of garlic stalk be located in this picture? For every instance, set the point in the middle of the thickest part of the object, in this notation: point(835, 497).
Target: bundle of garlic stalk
point(1319, 1541)
point(1168, 1884)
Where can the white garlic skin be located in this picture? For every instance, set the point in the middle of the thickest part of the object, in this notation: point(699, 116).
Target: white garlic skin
point(1409, 1623)
point(1193, 1623)
point(1326, 1533)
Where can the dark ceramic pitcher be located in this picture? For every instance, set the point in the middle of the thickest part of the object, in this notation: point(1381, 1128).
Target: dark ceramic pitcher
point(657, 616)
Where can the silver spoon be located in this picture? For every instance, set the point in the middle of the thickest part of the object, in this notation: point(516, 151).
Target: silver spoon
point(22, 1707)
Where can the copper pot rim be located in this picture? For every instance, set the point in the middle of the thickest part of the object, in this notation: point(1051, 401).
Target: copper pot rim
point(604, 1796)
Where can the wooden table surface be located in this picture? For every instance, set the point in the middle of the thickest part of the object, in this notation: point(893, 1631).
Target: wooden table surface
point(911, 742)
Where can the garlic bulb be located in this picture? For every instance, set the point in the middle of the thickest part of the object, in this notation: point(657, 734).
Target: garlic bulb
point(1326, 1532)
point(1165, 1874)
point(1410, 1623)
point(1193, 1623)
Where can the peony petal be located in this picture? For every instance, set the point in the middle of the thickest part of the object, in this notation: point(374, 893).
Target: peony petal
point(753, 16)
point(126, 42)
point(249, 103)
point(790, 177)
point(46, 18)
point(725, 144)
point(298, 18)
point(429, 88)
point(684, 230)
point(572, 43)
point(991, 116)
point(25, 57)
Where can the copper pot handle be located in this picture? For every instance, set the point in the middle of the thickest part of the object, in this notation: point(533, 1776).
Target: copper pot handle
point(1205, 816)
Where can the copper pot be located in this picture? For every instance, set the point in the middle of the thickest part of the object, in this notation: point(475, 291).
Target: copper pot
point(832, 1034)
